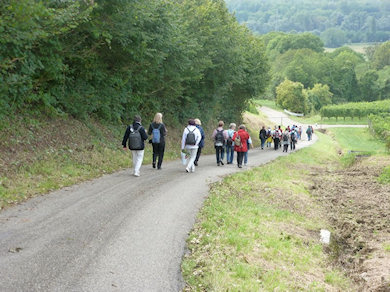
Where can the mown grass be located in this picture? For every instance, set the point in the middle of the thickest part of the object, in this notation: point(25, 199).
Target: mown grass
point(259, 230)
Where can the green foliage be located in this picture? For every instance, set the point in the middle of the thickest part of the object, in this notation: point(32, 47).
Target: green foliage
point(291, 95)
point(337, 22)
point(112, 59)
point(319, 96)
point(356, 109)
point(380, 124)
point(381, 56)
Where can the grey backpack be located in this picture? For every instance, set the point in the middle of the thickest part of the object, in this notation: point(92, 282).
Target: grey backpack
point(135, 139)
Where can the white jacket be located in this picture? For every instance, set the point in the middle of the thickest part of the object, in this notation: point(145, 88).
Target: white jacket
point(198, 137)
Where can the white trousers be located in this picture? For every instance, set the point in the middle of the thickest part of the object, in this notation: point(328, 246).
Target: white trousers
point(138, 157)
point(191, 160)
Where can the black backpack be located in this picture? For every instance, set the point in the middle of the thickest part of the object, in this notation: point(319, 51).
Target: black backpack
point(219, 138)
point(285, 137)
point(190, 139)
point(293, 136)
point(135, 139)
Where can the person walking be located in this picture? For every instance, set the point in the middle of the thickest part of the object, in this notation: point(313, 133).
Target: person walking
point(248, 145)
point(240, 144)
point(198, 124)
point(190, 142)
point(220, 136)
point(135, 135)
point(309, 132)
point(230, 143)
point(158, 131)
point(293, 138)
point(263, 137)
point(269, 137)
point(285, 140)
point(276, 137)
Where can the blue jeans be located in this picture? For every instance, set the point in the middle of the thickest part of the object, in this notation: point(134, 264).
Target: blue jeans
point(246, 157)
point(229, 153)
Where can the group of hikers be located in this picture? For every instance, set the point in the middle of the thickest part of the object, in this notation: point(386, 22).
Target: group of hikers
point(193, 140)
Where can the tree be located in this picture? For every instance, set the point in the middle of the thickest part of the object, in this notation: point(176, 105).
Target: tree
point(381, 57)
point(319, 96)
point(292, 96)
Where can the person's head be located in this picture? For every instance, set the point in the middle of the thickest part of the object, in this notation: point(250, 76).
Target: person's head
point(221, 123)
point(242, 127)
point(137, 118)
point(158, 118)
point(198, 122)
point(191, 122)
point(232, 126)
point(263, 127)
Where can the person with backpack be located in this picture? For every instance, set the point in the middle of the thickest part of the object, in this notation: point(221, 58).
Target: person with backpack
point(135, 135)
point(158, 131)
point(285, 140)
point(269, 137)
point(263, 137)
point(220, 136)
point(293, 138)
point(309, 132)
point(240, 139)
point(276, 137)
point(190, 143)
point(198, 124)
point(230, 143)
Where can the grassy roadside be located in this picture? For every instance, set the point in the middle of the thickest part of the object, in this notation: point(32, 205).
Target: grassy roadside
point(259, 230)
point(39, 155)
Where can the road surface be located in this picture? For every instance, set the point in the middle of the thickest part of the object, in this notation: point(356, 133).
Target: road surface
point(115, 233)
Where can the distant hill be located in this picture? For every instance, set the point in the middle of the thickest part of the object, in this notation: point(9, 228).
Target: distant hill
point(336, 21)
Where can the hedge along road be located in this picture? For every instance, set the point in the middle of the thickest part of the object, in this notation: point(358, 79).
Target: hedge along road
point(280, 118)
point(115, 233)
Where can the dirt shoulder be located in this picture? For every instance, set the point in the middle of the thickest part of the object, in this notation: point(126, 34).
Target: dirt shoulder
point(359, 210)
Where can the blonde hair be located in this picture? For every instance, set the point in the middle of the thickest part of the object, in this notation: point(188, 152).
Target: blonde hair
point(158, 118)
point(221, 123)
point(197, 122)
point(232, 125)
point(242, 127)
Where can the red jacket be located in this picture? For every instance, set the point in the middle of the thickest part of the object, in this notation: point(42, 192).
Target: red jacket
point(244, 137)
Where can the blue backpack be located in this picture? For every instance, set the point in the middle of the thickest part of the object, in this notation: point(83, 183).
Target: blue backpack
point(156, 134)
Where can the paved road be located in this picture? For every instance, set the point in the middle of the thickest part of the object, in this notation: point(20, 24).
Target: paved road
point(281, 118)
point(115, 233)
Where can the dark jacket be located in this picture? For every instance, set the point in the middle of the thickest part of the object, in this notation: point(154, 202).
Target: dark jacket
point(263, 134)
point(163, 131)
point(201, 143)
point(136, 125)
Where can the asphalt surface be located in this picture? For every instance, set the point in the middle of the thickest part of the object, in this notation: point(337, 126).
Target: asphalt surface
point(115, 233)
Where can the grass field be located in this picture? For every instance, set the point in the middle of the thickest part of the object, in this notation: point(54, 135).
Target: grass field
point(258, 230)
point(357, 47)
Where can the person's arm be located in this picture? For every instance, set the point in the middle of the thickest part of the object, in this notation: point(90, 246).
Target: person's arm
point(214, 133)
point(183, 139)
point(150, 129)
point(126, 137)
point(143, 133)
point(198, 136)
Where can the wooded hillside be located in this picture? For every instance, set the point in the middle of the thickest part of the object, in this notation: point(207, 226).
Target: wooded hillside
point(114, 58)
point(336, 22)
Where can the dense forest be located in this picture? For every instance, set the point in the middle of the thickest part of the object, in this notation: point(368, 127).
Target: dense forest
point(110, 59)
point(336, 22)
